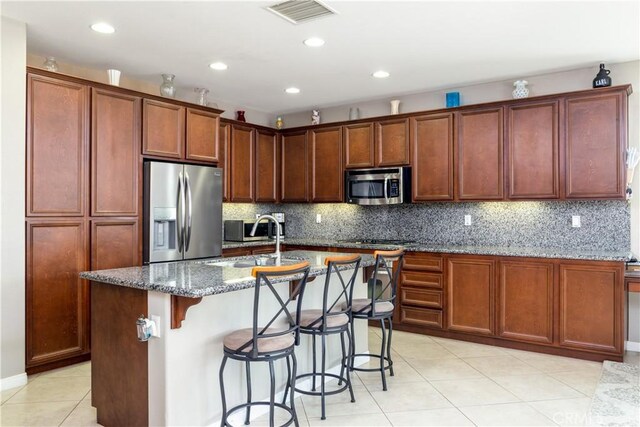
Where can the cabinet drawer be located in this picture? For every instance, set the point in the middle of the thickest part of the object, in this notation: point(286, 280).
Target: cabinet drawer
point(421, 297)
point(421, 280)
point(421, 316)
point(422, 262)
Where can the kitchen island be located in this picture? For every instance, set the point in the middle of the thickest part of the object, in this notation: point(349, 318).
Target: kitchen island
point(173, 379)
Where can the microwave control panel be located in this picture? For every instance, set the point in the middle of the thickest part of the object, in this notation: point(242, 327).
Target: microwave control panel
point(394, 188)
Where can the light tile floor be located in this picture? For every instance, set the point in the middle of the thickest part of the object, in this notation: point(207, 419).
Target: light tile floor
point(437, 382)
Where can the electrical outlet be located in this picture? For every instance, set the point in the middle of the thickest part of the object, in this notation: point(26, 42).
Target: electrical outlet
point(257, 216)
point(467, 220)
point(575, 221)
point(156, 331)
point(318, 218)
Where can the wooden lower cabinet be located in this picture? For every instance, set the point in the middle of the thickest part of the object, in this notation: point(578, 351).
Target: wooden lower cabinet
point(56, 298)
point(525, 301)
point(114, 243)
point(421, 317)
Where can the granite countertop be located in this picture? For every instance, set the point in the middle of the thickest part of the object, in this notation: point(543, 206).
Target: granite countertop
point(533, 252)
point(201, 278)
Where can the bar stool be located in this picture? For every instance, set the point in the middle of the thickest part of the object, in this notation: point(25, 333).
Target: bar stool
point(379, 307)
point(267, 343)
point(333, 318)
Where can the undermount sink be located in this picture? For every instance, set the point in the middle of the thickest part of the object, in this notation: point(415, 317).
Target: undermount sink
point(257, 261)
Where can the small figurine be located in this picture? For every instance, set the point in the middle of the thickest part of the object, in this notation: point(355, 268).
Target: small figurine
point(315, 117)
point(602, 78)
point(240, 116)
point(279, 122)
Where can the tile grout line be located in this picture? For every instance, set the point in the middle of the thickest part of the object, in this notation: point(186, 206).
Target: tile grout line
point(74, 408)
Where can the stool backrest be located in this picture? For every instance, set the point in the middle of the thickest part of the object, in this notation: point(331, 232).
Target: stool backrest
point(264, 277)
point(385, 261)
point(340, 267)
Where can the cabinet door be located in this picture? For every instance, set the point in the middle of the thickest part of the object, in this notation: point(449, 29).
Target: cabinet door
point(479, 155)
point(114, 243)
point(470, 295)
point(525, 301)
point(115, 163)
point(532, 151)
point(596, 139)
point(56, 298)
point(225, 157)
point(162, 129)
point(432, 142)
point(358, 146)
point(202, 135)
point(57, 147)
point(325, 165)
point(591, 312)
point(266, 166)
point(241, 164)
point(392, 143)
point(294, 167)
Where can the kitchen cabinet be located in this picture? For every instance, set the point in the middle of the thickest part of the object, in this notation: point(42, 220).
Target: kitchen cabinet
point(266, 164)
point(294, 166)
point(532, 150)
point(471, 294)
point(163, 129)
point(392, 143)
point(114, 243)
point(591, 306)
point(57, 320)
point(479, 143)
point(358, 145)
point(241, 163)
point(421, 293)
point(202, 136)
point(57, 147)
point(526, 300)
point(595, 143)
point(225, 155)
point(433, 162)
point(325, 165)
point(115, 148)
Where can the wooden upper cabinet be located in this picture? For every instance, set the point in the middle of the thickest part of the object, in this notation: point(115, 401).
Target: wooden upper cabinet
point(471, 294)
point(359, 145)
point(526, 301)
point(57, 147)
point(114, 243)
point(267, 161)
point(591, 311)
point(294, 167)
point(56, 298)
point(224, 138)
point(479, 138)
point(115, 148)
point(432, 151)
point(241, 164)
point(325, 165)
point(392, 143)
point(596, 138)
point(202, 136)
point(533, 150)
point(162, 129)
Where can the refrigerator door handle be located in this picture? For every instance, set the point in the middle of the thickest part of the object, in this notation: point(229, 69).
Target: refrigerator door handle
point(188, 211)
point(180, 216)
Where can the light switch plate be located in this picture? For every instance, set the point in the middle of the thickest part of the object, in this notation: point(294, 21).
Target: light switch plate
point(576, 221)
point(318, 218)
point(467, 220)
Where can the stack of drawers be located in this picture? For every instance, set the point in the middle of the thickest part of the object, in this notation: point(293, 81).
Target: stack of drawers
point(421, 290)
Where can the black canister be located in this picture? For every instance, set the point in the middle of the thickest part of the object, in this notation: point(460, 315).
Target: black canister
point(602, 78)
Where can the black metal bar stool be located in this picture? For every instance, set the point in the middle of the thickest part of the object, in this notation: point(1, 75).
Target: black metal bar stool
point(333, 318)
point(379, 307)
point(266, 343)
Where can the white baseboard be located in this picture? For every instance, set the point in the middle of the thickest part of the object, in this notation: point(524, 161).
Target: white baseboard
point(632, 346)
point(13, 382)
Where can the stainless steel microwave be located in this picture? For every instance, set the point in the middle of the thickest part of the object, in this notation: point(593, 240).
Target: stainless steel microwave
point(382, 186)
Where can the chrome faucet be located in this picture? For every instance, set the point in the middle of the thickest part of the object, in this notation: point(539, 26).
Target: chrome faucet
point(278, 231)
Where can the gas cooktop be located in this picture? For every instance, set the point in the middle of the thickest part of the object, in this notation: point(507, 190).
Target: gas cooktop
point(376, 241)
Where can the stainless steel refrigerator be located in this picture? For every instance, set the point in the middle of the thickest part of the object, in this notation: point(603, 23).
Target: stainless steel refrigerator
point(182, 212)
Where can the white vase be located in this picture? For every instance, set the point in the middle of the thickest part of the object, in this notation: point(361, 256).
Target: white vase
point(354, 113)
point(395, 106)
point(114, 77)
point(520, 90)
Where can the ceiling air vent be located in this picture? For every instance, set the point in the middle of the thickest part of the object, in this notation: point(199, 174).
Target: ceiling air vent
point(296, 11)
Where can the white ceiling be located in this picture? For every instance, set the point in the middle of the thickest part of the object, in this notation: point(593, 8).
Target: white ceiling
point(424, 45)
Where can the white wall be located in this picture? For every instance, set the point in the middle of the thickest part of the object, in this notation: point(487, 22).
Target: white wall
point(12, 191)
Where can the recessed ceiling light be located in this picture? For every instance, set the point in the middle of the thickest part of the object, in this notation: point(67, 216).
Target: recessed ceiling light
point(380, 74)
point(103, 27)
point(314, 42)
point(292, 90)
point(218, 66)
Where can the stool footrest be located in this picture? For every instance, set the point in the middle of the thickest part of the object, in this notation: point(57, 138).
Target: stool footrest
point(319, 393)
point(388, 365)
point(245, 405)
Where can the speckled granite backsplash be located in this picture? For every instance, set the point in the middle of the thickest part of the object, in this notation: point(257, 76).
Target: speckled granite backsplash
point(605, 224)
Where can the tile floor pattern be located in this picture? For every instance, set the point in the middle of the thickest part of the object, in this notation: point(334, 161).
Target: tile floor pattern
point(438, 382)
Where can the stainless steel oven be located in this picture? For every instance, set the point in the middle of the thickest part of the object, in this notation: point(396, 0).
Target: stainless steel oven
point(383, 186)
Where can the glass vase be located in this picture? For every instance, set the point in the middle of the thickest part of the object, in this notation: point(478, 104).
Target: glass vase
point(167, 89)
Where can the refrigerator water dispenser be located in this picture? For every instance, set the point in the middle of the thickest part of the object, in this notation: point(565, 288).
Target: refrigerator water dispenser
point(164, 229)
